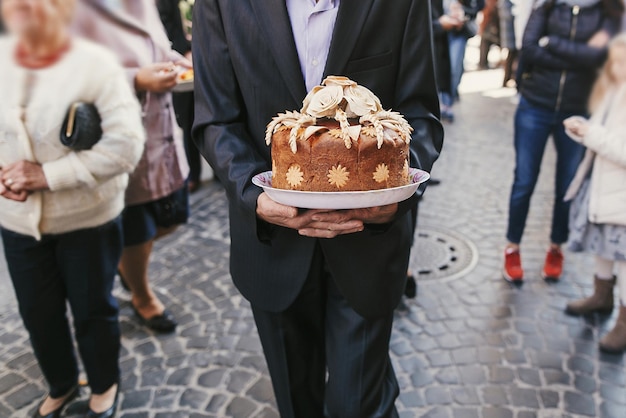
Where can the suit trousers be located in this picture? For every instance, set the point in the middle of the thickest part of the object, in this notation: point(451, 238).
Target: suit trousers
point(76, 267)
point(325, 360)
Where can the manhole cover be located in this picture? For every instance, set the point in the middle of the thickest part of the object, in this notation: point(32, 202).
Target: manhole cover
point(441, 254)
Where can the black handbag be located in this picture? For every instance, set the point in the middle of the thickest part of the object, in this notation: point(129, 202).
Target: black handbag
point(81, 128)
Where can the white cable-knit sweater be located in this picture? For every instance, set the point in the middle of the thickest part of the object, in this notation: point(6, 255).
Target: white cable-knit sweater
point(86, 187)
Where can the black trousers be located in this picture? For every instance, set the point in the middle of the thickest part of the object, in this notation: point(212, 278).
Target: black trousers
point(184, 109)
point(325, 360)
point(76, 267)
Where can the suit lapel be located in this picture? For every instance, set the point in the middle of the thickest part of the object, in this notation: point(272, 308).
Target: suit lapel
point(350, 20)
point(275, 24)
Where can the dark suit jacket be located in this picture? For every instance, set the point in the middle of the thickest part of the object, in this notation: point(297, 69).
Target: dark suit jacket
point(247, 71)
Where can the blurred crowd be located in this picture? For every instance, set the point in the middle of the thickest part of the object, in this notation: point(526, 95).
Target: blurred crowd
point(90, 213)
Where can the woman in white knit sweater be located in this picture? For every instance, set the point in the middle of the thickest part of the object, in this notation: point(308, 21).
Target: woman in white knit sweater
point(59, 209)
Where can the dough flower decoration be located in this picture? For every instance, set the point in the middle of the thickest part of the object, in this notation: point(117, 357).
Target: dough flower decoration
point(341, 99)
point(294, 176)
point(382, 173)
point(338, 176)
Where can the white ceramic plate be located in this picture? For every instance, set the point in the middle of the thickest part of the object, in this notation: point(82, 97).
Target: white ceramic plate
point(341, 200)
point(183, 86)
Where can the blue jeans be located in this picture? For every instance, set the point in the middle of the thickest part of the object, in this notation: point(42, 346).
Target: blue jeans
point(76, 267)
point(456, 45)
point(533, 126)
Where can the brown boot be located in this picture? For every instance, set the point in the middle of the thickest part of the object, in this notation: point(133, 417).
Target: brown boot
point(601, 301)
point(615, 340)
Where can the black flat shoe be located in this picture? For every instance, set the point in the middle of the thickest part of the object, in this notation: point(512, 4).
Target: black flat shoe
point(109, 413)
point(410, 290)
point(57, 412)
point(164, 323)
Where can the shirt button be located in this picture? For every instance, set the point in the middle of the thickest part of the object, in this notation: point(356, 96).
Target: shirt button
point(315, 62)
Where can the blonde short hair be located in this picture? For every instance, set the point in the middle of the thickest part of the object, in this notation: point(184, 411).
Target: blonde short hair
point(605, 80)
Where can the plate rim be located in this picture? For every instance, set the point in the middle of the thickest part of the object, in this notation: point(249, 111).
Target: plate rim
point(412, 173)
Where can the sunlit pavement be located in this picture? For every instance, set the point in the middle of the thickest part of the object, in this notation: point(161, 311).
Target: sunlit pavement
point(469, 345)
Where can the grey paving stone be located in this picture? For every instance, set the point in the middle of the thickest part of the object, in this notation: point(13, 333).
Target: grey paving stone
point(4, 411)
point(614, 375)
point(581, 404)
point(261, 391)
point(24, 396)
point(472, 375)
point(529, 376)
point(411, 399)
point(523, 397)
point(613, 393)
point(465, 396)
point(496, 412)
point(181, 377)
point(585, 384)
point(134, 399)
point(465, 413)
point(526, 414)
point(10, 381)
point(217, 402)
point(240, 407)
point(438, 359)
point(166, 399)
point(437, 396)
point(194, 399)
point(494, 395)
point(556, 377)
point(421, 378)
point(549, 398)
point(437, 412)
point(609, 409)
point(580, 364)
point(499, 374)
point(448, 376)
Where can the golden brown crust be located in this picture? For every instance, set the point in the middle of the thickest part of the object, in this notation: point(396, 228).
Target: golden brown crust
point(322, 162)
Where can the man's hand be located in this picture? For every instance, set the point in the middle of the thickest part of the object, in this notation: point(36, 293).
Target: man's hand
point(23, 177)
point(157, 78)
point(329, 225)
point(325, 222)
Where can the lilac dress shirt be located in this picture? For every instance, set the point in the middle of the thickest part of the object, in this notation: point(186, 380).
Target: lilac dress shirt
point(312, 24)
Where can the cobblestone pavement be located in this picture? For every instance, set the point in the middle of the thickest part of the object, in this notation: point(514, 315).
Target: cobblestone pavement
point(469, 345)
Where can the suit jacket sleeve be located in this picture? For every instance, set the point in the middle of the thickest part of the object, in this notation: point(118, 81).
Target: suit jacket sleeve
point(220, 128)
point(416, 92)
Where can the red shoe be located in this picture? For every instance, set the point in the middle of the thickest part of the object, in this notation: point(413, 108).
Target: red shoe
point(553, 267)
point(513, 272)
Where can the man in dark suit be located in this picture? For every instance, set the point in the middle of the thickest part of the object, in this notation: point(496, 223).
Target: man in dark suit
point(323, 286)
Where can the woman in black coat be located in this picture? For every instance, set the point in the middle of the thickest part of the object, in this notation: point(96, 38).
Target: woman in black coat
point(564, 44)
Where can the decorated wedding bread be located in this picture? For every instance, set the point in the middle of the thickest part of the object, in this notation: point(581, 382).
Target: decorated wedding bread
point(341, 140)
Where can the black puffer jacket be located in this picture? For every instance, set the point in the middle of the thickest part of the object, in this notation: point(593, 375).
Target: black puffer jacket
point(560, 75)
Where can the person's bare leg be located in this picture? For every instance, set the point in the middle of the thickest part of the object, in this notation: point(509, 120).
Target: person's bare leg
point(50, 404)
point(102, 402)
point(134, 268)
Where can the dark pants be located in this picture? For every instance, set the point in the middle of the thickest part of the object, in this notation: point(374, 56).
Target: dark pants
point(184, 109)
point(78, 267)
point(533, 126)
point(320, 333)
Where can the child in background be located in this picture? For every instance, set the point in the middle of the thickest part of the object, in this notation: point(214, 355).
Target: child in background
point(598, 211)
